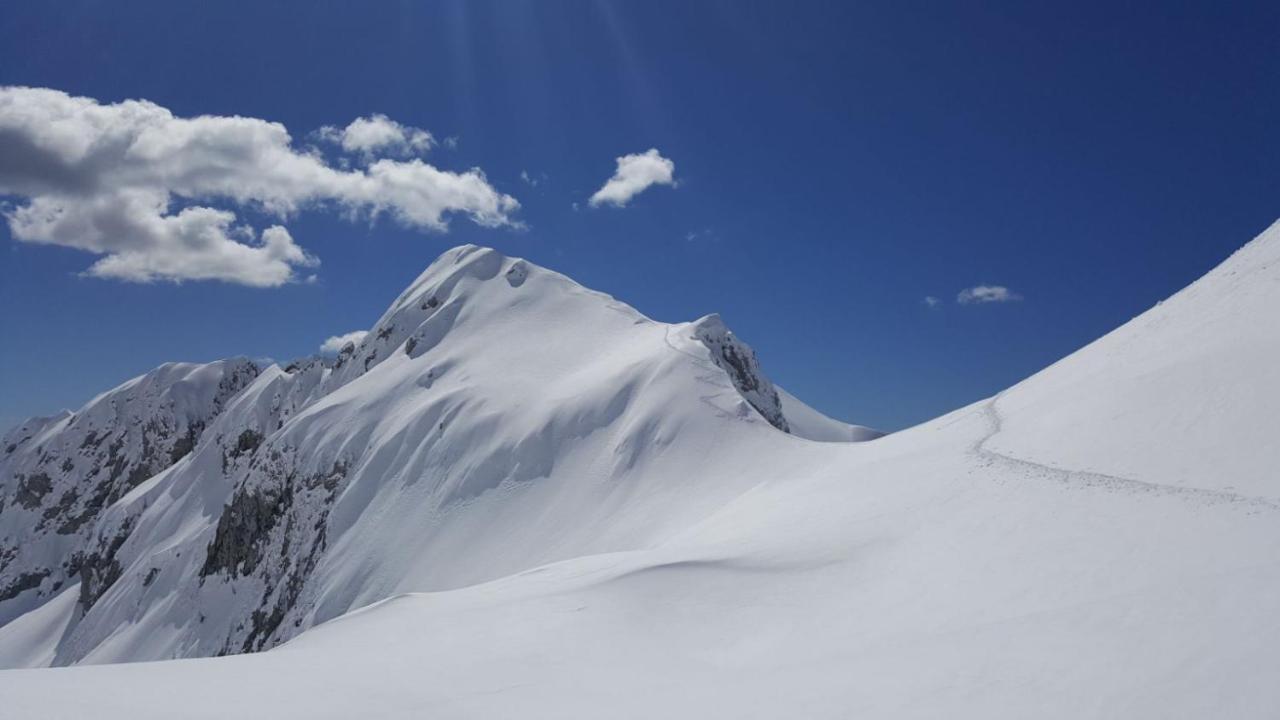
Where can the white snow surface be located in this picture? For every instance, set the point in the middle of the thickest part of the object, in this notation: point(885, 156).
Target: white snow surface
point(811, 424)
point(551, 506)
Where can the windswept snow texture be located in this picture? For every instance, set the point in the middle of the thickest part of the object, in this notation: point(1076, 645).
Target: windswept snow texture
point(519, 516)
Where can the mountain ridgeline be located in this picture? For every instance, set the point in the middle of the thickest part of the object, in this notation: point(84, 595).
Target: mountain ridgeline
point(517, 497)
point(223, 508)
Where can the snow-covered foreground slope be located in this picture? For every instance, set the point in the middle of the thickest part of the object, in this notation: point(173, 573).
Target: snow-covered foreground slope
point(686, 558)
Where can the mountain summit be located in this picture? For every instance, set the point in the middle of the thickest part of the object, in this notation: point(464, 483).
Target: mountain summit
point(219, 508)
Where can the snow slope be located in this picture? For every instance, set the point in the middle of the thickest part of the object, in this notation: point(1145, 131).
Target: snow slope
point(810, 424)
point(1206, 362)
point(680, 556)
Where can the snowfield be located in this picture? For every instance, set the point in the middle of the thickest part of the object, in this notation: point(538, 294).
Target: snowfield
point(520, 498)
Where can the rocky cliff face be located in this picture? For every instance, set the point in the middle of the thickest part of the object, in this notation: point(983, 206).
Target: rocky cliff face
point(58, 474)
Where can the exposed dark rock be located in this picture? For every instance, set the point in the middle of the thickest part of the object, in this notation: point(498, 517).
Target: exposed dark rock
point(243, 528)
point(22, 583)
point(186, 443)
point(99, 570)
point(32, 489)
point(518, 273)
point(65, 502)
point(248, 442)
point(739, 362)
point(260, 533)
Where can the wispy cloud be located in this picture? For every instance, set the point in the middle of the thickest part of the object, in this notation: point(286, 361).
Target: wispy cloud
point(931, 301)
point(133, 183)
point(987, 294)
point(532, 179)
point(635, 174)
point(335, 343)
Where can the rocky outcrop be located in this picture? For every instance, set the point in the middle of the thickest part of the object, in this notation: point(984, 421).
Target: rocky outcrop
point(739, 362)
point(59, 474)
point(273, 532)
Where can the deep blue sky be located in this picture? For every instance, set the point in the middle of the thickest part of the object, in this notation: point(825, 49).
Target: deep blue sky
point(838, 162)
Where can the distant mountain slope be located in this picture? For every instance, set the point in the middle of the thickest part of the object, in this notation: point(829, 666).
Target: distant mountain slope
point(58, 474)
point(579, 526)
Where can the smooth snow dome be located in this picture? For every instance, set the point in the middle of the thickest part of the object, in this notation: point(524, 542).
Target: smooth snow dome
point(552, 506)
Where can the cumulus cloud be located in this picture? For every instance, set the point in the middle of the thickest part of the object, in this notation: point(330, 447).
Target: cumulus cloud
point(635, 174)
point(335, 343)
point(986, 294)
point(132, 182)
point(379, 134)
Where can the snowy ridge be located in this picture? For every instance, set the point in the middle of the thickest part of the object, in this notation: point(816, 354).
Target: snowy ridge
point(535, 518)
point(326, 485)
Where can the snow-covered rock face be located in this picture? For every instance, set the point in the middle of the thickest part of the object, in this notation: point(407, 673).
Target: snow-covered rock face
point(58, 474)
point(306, 491)
point(740, 364)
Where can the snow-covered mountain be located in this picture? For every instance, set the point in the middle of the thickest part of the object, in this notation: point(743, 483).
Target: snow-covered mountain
point(518, 497)
point(214, 509)
point(60, 473)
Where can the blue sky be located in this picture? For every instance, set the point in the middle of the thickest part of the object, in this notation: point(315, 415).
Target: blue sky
point(836, 164)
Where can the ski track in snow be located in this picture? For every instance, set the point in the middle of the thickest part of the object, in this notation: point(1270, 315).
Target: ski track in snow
point(1084, 478)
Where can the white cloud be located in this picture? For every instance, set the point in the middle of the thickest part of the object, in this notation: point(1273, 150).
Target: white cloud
point(334, 344)
point(131, 182)
point(531, 180)
point(931, 301)
point(986, 294)
point(379, 134)
point(634, 175)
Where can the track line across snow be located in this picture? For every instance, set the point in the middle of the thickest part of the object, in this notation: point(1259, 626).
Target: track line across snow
point(1085, 478)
